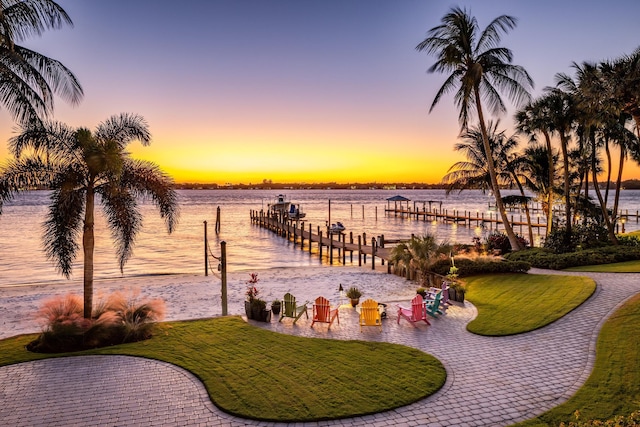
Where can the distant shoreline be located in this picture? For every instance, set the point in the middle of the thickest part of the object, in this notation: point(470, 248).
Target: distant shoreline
point(632, 184)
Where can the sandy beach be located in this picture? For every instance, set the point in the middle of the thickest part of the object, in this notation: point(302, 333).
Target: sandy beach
point(197, 296)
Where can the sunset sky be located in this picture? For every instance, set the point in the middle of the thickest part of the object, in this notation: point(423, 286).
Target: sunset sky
point(240, 91)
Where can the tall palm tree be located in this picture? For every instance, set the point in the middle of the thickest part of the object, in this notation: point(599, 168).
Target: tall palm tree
point(534, 118)
point(28, 79)
point(81, 166)
point(479, 69)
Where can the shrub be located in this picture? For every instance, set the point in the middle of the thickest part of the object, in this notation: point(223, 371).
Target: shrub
point(119, 318)
point(583, 236)
point(632, 419)
point(500, 241)
point(545, 258)
point(480, 265)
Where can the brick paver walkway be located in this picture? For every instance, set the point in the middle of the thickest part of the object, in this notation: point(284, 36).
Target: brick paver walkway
point(492, 381)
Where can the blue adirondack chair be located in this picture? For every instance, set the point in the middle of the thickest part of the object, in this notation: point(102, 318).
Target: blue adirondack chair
point(432, 307)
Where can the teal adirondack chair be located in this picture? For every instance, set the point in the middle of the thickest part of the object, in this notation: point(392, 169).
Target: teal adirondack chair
point(433, 306)
point(291, 309)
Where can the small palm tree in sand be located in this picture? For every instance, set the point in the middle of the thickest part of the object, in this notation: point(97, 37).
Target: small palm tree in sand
point(79, 165)
point(420, 253)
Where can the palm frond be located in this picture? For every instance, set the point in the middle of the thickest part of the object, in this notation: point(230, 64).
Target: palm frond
point(124, 129)
point(146, 179)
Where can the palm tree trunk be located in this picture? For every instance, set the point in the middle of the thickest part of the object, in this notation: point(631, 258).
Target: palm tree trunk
point(88, 244)
point(515, 244)
point(596, 187)
point(567, 189)
point(552, 173)
point(606, 190)
point(616, 201)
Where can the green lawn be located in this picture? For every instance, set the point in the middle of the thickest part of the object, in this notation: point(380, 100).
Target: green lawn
point(259, 374)
point(618, 267)
point(515, 303)
point(614, 385)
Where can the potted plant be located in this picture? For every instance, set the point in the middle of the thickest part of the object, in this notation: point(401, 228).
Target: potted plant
point(422, 291)
point(275, 306)
point(252, 294)
point(456, 289)
point(354, 295)
point(259, 310)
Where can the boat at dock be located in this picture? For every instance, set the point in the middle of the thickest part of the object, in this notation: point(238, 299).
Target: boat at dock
point(280, 205)
point(337, 228)
point(295, 212)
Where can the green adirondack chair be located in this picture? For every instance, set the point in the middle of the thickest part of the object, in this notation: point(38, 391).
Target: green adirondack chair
point(291, 309)
point(433, 306)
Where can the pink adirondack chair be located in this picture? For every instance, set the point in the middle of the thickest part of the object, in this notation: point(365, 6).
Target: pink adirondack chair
point(416, 313)
point(323, 313)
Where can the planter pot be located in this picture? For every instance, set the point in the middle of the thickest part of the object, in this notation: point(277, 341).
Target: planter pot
point(275, 308)
point(247, 309)
point(256, 311)
point(263, 316)
point(355, 301)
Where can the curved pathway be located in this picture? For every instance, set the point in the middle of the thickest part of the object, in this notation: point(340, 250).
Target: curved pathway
point(493, 381)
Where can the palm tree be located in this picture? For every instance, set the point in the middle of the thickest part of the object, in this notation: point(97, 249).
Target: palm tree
point(29, 79)
point(420, 253)
point(532, 119)
point(83, 164)
point(473, 173)
point(479, 68)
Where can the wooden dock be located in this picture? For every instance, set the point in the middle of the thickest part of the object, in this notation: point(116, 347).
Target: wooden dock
point(320, 239)
point(491, 220)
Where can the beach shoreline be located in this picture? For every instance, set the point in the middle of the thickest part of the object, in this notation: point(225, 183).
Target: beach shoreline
point(191, 296)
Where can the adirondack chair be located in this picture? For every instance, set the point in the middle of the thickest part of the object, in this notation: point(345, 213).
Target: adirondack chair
point(291, 309)
point(444, 299)
point(370, 314)
point(416, 313)
point(323, 313)
point(432, 307)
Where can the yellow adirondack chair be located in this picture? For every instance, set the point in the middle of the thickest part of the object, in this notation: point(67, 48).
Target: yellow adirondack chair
point(370, 314)
point(291, 309)
point(323, 313)
point(416, 313)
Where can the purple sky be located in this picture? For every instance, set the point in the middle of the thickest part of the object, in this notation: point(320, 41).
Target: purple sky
point(226, 84)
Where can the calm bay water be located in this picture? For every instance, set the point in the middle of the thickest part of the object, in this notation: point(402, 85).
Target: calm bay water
point(22, 260)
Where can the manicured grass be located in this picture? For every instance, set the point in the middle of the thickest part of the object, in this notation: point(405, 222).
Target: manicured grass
point(614, 385)
point(255, 373)
point(617, 267)
point(515, 303)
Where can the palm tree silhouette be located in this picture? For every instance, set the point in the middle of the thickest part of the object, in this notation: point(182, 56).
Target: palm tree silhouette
point(478, 69)
point(79, 166)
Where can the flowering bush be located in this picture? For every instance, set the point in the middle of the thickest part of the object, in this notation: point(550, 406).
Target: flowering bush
point(252, 291)
point(117, 319)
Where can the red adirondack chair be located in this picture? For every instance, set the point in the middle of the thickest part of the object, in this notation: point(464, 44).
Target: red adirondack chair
point(323, 313)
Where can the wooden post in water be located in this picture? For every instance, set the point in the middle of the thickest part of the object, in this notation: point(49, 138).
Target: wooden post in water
point(351, 242)
point(382, 246)
point(344, 250)
point(206, 255)
point(310, 238)
point(330, 236)
point(218, 220)
point(223, 275)
point(364, 242)
point(359, 250)
point(320, 242)
point(373, 253)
